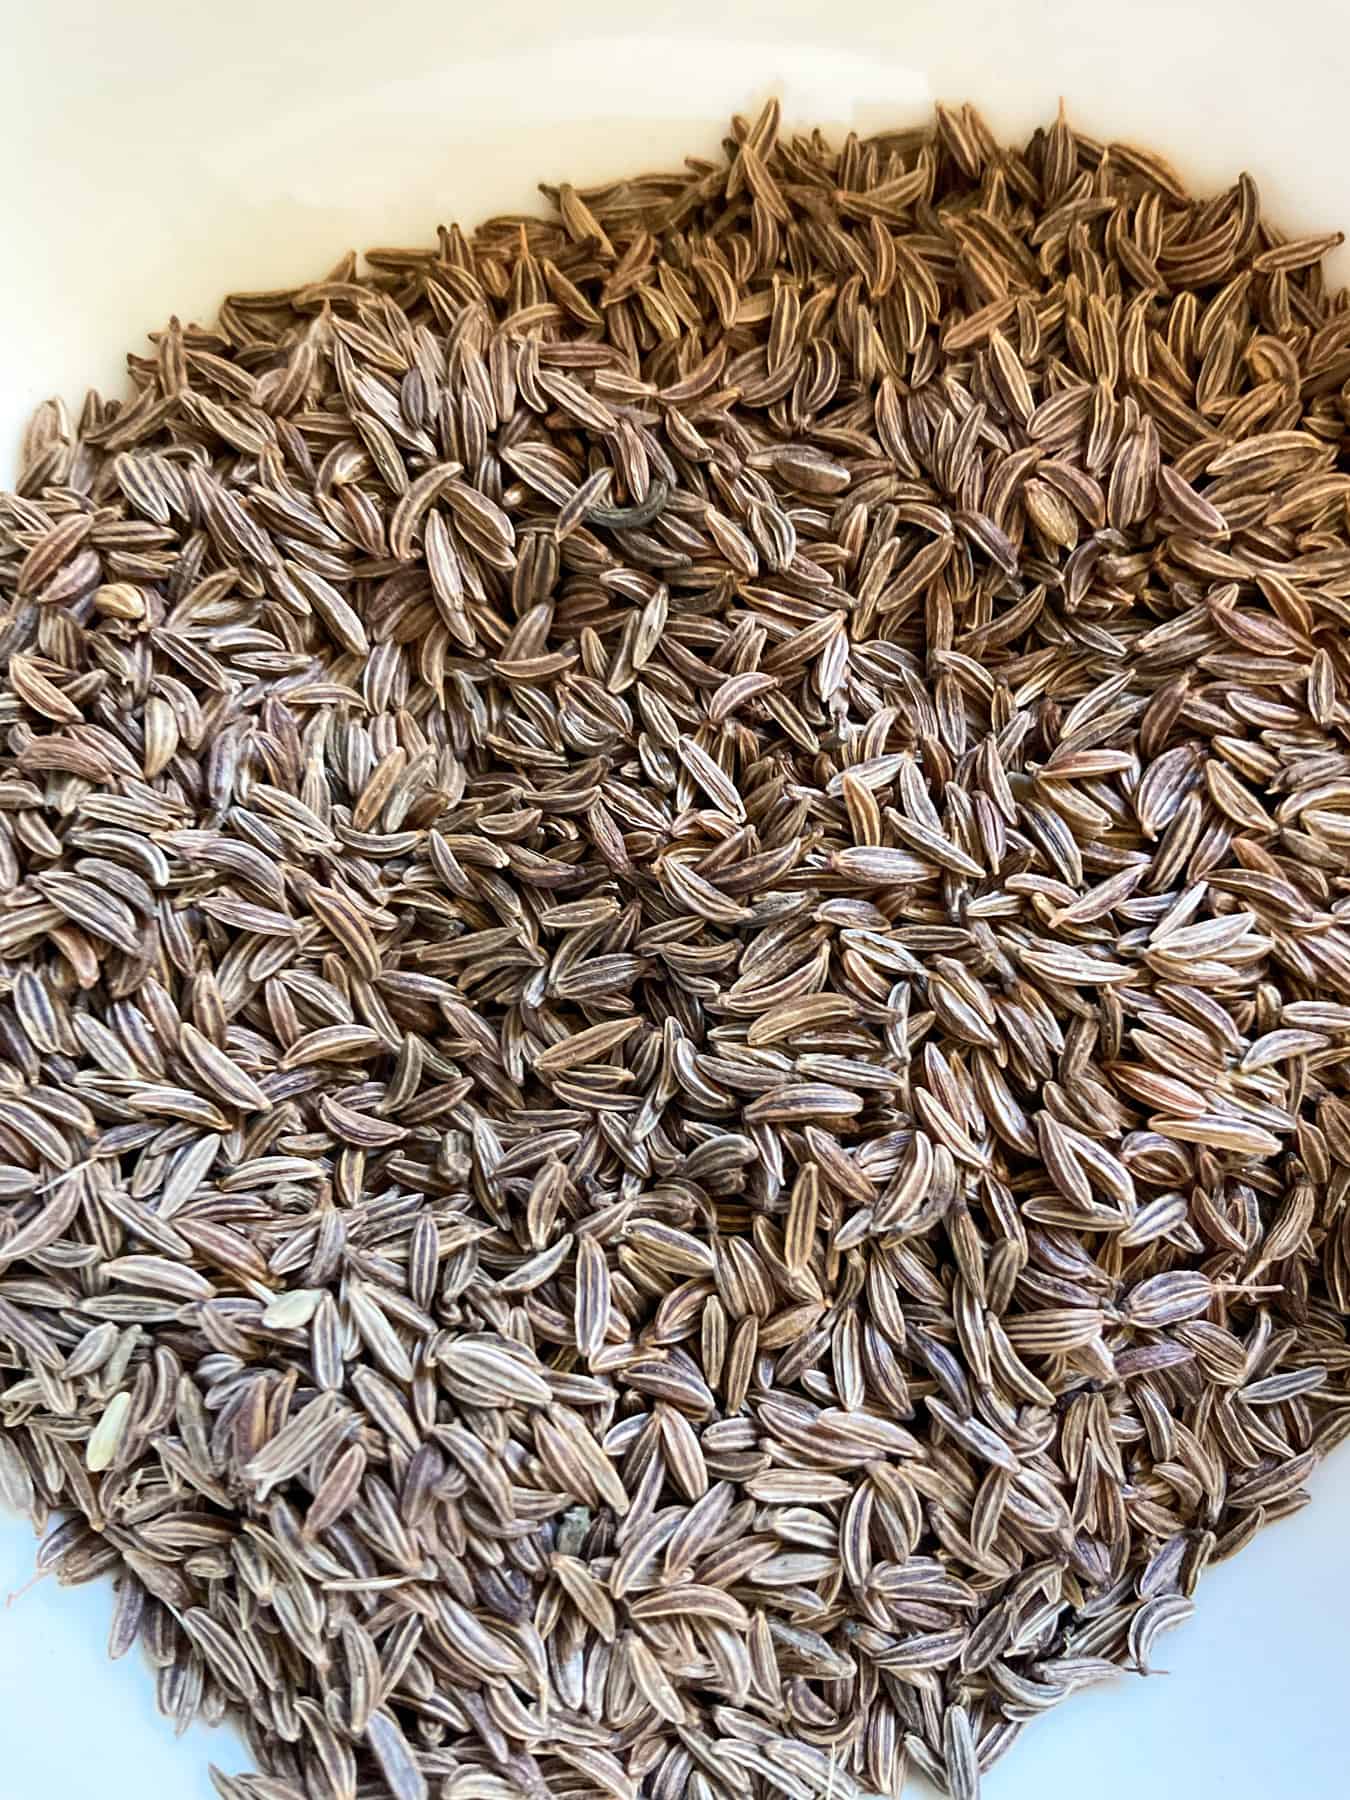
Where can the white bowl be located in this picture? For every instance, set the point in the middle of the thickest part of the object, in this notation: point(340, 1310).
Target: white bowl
point(159, 152)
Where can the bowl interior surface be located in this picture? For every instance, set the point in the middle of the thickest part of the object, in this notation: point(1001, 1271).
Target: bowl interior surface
point(159, 154)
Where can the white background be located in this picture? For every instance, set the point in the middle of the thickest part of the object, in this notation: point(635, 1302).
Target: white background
point(157, 153)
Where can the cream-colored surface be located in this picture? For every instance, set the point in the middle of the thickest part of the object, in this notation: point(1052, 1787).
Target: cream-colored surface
point(158, 151)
